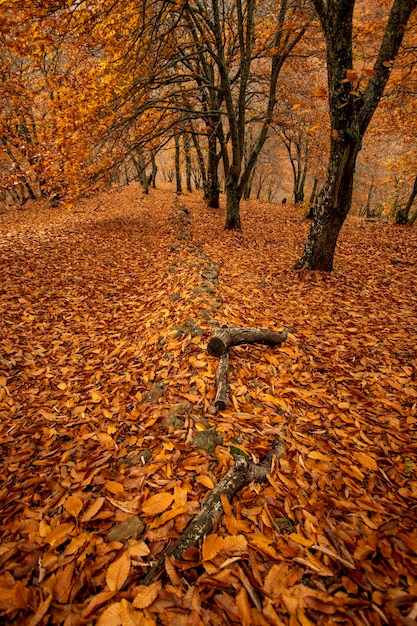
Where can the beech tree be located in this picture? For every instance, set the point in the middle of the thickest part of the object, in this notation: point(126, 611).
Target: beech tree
point(351, 110)
point(236, 84)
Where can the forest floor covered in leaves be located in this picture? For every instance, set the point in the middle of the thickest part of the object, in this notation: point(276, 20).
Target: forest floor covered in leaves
point(106, 387)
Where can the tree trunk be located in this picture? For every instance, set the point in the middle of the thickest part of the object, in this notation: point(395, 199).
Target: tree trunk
point(177, 165)
point(232, 204)
point(213, 187)
point(333, 208)
point(141, 172)
point(154, 172)
point(312, 200)
point(299, 195)
point(401, 216)
point(366, 211)
point(200, 160)
point(187, 153)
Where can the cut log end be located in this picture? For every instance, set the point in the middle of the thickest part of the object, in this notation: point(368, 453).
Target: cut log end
point(216, 346)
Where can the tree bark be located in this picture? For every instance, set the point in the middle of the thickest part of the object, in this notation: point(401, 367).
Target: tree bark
point(402, 215)
point(152, 181)
point(200, 160)
point(223, 338)
point(312, 200)
point(177, 165)
point(232, 204)
point(213, 187)
point(330, 214)
point(187, 153)
point(222, 384)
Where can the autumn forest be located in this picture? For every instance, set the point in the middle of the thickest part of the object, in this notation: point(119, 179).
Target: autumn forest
point(208, 312)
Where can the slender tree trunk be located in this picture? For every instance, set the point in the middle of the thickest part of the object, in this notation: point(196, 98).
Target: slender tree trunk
point(200, 160)
point(299, 193)
point(154, 172)
point(312, 200)
point(366, 211)
point(187, 153)
point(212, 187)
point(177, 165)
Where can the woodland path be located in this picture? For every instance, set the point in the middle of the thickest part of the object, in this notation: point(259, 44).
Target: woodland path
point(105, 312)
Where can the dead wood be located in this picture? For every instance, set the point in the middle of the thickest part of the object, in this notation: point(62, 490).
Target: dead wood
point(241, 474)
point(224, 337)
point(400, 261)
point(222, 384)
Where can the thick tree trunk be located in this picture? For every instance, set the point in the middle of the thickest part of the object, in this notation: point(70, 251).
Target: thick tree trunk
point(232, 205)
point(141, 172)
point(335, 202)
point(298, 196)
point(401, 216)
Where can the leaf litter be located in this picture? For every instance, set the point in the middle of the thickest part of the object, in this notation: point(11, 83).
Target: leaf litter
point(105, 380)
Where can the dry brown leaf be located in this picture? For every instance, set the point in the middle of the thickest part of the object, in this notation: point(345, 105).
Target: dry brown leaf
point(118, 571)
point(146, 594)
point(366, 460)
point(212, 545)
point(74, 506)
point(110, 616)
point(157, 504)
point(92, 509)
point(114, 487)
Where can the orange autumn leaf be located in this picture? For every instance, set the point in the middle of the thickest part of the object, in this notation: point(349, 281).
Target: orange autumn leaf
point(212, 545)
point(146, 594)
point(110, 616)
point(205, 480)
point(366, 460)
point(243, 606)
point(59, 535)
point(301, 540)
point(114, 487)
point(118, 571)
point(63, 583)
point(96, 396)
point(315, 454)
point(138, 549)
point(74, 505)
point(92, 509)
point(157, 504)
point(234, 544)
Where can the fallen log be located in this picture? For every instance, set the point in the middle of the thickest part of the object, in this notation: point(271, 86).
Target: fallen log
point(402, 262)
point(222, 384)
point(224, 337)
point(241, 474)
